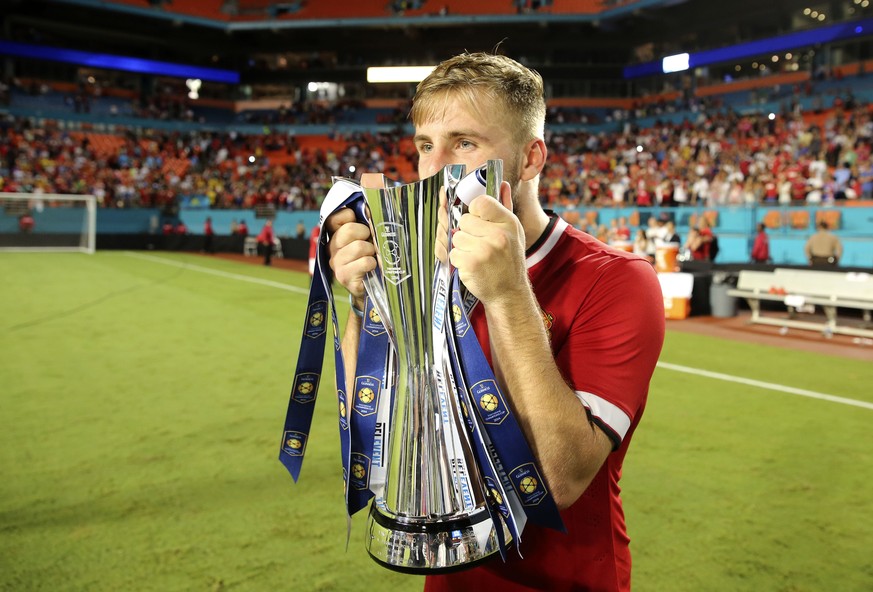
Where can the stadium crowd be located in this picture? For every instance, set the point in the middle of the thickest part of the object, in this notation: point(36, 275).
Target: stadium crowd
point(156, 169)
point(719, 158)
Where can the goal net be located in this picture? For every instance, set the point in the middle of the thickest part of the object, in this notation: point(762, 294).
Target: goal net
point(48, 222)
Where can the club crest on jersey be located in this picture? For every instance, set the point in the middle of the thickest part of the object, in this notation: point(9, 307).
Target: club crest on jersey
point(373, 321)
point(529, 484)
point(359, 468)
point(305, 387)
point(459, 315)
point(392, 240)
point(343, 409)
point(548, 321)
point(366, 395)
point(489, 402)
point(316, 319)
point(294, 443)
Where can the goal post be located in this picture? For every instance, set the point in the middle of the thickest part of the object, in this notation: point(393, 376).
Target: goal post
point(48, 222)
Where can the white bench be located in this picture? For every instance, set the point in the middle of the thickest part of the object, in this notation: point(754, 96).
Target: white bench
point(800, 287)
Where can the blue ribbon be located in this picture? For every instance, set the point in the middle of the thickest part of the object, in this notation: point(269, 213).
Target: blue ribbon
point(307, 375)
point(506, 444)
point(370, 374)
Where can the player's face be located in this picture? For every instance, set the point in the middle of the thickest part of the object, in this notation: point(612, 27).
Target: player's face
point(459, 135)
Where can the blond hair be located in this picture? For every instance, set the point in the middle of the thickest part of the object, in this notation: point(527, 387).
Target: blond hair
point(472, 76)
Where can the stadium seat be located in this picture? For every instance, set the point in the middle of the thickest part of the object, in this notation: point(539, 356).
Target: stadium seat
point(799, 220)
point(571, 217)
point(832, 217)
point(773, 219)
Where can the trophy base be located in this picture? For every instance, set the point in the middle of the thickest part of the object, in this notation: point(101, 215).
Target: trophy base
point(431, 547)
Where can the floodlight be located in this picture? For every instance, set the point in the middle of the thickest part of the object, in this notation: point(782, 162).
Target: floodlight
point(675, 63)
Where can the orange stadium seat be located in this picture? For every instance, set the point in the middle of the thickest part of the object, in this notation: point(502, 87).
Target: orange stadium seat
point(578, 6)
point(177, 166)
point(799, 220)
point(104, 145)
point(571, 217)
point(773, 219)
point(210, 9)
point(832, 217)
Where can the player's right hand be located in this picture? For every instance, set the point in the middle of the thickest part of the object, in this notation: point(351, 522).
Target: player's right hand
point(352, 254)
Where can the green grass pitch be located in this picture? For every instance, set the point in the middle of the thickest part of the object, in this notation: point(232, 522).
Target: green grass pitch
point(142, 407)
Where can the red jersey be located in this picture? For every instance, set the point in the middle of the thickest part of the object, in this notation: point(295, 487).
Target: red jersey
point(604, 313)
point(313, 242)
point(761, 248)
point(701, 253)
point(265, 236)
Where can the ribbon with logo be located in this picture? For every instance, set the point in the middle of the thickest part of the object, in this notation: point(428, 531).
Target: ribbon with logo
point(304, 391)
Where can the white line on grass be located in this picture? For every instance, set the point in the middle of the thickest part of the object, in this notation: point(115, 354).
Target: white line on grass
point(766, 385)
point(688, 370)
point(219, 273)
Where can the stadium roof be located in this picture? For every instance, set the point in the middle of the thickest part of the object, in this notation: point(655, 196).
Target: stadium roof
point(290, 42)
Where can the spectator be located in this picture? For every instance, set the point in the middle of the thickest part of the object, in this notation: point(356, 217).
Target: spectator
point(26, 223)
point(654, 235)
point(242, 229)
point(208, 235)
point(823, 247)
point(702, 249)
point(313, 248)
point(623, 233)
point(761, 246)
point(641, 246)
point(265, 239)
point(670, 234)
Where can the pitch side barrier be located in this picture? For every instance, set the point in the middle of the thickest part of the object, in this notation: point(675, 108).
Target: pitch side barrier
point(799, 289)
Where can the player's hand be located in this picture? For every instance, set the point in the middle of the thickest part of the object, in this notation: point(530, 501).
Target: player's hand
point(489, 249)
point(352, 254)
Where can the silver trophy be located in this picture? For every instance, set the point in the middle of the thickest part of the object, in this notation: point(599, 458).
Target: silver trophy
point(429, 513)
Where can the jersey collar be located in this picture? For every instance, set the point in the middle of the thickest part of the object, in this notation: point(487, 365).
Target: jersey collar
point(547, 240)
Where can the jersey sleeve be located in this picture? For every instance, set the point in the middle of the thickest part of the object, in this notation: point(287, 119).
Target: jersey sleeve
point(613, 344)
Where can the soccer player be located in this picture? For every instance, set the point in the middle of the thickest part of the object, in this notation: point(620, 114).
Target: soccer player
point(573, 328)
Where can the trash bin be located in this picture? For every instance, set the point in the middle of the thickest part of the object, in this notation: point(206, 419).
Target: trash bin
point(722, 304)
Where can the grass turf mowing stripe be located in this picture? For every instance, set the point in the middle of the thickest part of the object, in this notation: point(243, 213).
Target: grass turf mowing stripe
point(219, 273)
point(766, 385)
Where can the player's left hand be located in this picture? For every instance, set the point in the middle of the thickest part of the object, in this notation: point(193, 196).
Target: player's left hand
point(488, 249)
